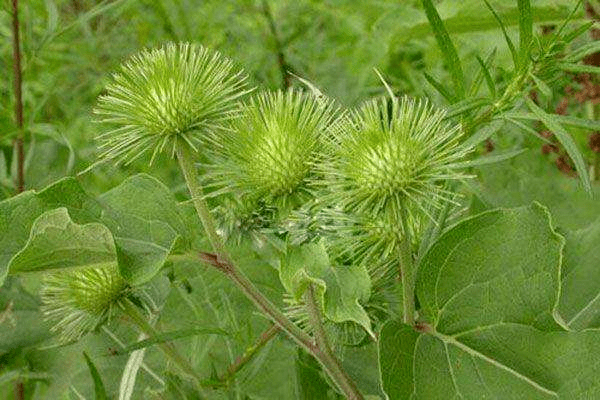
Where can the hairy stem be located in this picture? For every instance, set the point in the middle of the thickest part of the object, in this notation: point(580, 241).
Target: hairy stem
point(222, 261)
point(170, 351)
point(250, 352)
point(328, 359)
point(407, 273)
point(18, 83)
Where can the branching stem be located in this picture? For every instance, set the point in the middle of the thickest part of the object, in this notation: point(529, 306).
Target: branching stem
point(250, 352)
point(170, 351)
point(327, 359)
point(223, 261)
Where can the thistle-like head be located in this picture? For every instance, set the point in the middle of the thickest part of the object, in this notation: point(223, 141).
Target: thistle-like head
point(77, 302)
point(180, 92)
point(273, 147)
point(392, 156)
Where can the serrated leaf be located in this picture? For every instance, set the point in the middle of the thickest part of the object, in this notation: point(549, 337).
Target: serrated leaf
point(340, 288)
point(542, 86)
point(99, 390)
point(57, 242)
point(447, 48)
point(583, 51)
point(566, 140)
point(579, 304)
point(483, 133)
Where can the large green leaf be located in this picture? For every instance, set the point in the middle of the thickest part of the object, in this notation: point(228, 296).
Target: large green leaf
point(341, 288)
point(57, 242)
point(147, 198)
point(488, 288)
point(147, 224)
point(580, 292)
point(501, 265)
point(18, 214)
point(502, 361)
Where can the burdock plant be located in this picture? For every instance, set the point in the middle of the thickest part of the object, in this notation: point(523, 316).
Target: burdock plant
point(389, 163)
point(77, 302)
point(181, 98)
point(268, 159)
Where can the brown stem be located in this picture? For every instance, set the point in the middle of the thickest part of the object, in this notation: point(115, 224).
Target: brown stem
point(283, 65)
point(250, 352)
point(18, 98)
point(19, 390)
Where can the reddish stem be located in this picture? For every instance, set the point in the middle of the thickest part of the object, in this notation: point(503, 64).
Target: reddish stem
point(18, 81)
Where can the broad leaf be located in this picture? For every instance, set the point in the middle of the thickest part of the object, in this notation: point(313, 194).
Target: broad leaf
point(501, 265)
point(57, 242)
point(147, 224)
point(18, 213)
point(579, 303)
point(488, 286)
point(341, 288)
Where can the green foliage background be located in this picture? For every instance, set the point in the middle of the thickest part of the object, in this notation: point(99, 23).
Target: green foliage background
point(70, 48)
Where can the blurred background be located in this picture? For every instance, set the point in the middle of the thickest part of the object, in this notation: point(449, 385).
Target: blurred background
point(70, 48)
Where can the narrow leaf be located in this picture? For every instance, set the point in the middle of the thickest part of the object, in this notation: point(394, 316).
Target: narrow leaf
point(447, 48)
point(580, 69)
point(488, 77)
point(509, 42)
point(525, 32)
point(542, 86)
point(583, 51)
point(170, 336)
point(564, 119)
point(491, 159)
point(566, 140)
point(483, 134)
point(440, 88)
point(99, 390)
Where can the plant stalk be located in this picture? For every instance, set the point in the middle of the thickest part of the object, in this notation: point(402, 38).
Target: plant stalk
point(328, 359)
point(407, 273)
point(250, 352)
point(170, 351)
point(18, 84)
point(223, 261)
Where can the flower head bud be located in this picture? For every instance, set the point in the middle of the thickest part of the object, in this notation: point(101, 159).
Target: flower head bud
point(180, 92)
point(390, 156)
point(76, 302)
point(274, 146)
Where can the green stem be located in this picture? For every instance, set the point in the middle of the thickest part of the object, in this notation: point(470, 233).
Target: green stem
point(170, 351)
point(327, 359)
point(224, 262)
point(250, 352)
point(407, 273)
